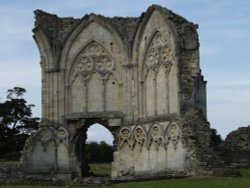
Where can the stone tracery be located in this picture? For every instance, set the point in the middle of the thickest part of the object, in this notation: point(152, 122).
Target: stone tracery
point(158, 62)
point(94, 58)
point(159, 54)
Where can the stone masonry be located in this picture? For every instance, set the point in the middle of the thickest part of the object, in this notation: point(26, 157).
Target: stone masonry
point(138, 77)
point(237, 147)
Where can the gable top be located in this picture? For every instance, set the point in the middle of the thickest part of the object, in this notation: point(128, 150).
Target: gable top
point(57, 29)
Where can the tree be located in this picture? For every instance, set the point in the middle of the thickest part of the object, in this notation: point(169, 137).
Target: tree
point(106, 151)
point(16, 123)
point(99, 152)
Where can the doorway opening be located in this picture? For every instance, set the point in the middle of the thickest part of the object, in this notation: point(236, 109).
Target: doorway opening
point(95, 147)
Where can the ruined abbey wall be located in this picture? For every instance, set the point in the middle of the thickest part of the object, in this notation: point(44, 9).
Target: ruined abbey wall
point(138, 77)
point(236, 147)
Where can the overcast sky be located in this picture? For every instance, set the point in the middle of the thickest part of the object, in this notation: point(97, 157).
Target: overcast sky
point(224, 31)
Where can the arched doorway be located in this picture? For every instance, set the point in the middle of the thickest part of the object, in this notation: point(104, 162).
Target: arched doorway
point(98, 133)
point(91, 145)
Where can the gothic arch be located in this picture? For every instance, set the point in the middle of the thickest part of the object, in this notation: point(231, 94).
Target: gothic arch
point(140, 137)
point(156, 136)
point(45, 50)
point(156, 22)
point(92, 76)
point(91, 62)
point(82, 25)
point(144, 21)
point(161, 54)
point(173, 133)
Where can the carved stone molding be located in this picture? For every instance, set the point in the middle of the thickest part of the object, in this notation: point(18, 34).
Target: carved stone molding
point(44, 136)
point(94, 58)
point(174, 134)
point(159, 54)
point(62, 135)
point(155, 136)
point(125, 137)
point(140, 137)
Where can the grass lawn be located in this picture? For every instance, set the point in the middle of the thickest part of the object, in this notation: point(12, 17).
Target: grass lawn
point(101, 168)
point(241, 182)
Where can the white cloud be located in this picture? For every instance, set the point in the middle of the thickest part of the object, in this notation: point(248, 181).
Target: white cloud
point(98, 133)
point(15, 74)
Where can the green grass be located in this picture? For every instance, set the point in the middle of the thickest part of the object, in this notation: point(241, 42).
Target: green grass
point(245, 172)
point(29, 186)
point(7, 162)
point(101, 168)
point(241, 182)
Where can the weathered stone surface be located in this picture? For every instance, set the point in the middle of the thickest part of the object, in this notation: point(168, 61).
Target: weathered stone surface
point(138, 77)
point(237, 147)
point(92, 180)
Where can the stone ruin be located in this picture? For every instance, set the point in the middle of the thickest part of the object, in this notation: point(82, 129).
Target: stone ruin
point(138, 77)
point(236, 148)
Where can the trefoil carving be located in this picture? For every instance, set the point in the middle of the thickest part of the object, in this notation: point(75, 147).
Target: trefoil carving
point(94, 59)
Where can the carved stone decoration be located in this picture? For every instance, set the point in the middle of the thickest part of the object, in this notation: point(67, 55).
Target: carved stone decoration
point(155, 136)
point(94, 58)
point(62, 135)
point(159, 54)
point(139, 135)
point(153, 59)
point(45, 136)
point(174, 134)
point(104, 65)
point(166, 57)
point(85, 66)
point(125, 137)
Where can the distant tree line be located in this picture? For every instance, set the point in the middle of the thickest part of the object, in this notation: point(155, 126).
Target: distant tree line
point(16, 123)
point(98, 152)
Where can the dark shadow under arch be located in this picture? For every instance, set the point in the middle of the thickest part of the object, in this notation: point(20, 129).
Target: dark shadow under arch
point(80, 144)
